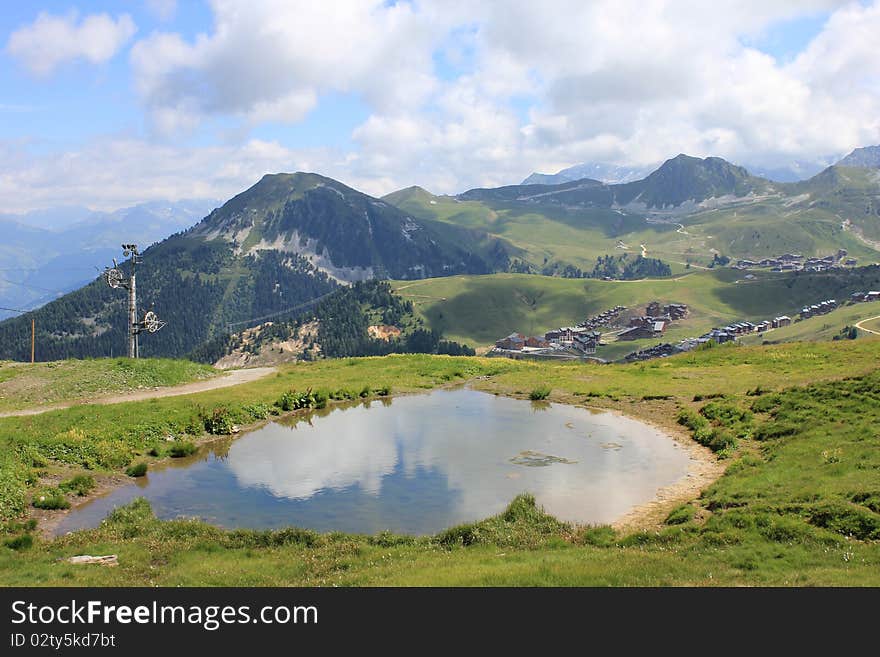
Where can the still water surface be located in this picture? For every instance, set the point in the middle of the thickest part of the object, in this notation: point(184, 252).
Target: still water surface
point(415, 464)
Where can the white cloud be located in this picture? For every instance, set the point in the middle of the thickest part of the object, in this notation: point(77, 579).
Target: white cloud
point(51, 40)
point(531, 87)
point(270, 60)
point(109, 173)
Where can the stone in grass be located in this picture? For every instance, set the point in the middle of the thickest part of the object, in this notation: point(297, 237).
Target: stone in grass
point(104, 560)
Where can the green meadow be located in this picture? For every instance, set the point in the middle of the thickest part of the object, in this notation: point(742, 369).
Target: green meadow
point(480, 309)
point(793, 426)
point(25, 385)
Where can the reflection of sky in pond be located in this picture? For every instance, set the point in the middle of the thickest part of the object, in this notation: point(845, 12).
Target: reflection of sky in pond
point(417, 465)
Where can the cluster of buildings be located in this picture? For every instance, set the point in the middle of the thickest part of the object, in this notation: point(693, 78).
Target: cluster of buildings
point(602, 319)
point(821, 308)
point(797, 262)
point(657, 351)
point(566, 342)
point(654, 322)
point(732, 331)
point(862, 297)
point(736, 329)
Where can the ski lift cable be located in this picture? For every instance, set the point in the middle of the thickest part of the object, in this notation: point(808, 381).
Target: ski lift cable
point(229, 325)
point(32, 287)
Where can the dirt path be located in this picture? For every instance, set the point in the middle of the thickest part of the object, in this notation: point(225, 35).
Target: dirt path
point(869, 319)
point(650, 280)
point(234, 378)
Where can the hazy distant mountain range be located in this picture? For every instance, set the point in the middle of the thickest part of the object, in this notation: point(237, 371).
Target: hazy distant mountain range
point(612, 174)
point(48, 252)
point(607, 173)
point(292, 238)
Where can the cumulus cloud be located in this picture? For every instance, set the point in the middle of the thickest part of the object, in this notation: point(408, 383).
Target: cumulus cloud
point(51, 40)
point(463, 94)
point(268, 61)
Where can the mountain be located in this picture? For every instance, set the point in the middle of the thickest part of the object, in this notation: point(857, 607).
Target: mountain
point(687, 213)
point(610, 174)
point(48, 253)
point(346, 234)
point(867, 157)
point(685, 178)
point(286, 241)
point(678, 181)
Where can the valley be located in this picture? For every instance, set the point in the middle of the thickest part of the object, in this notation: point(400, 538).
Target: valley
point(322, 302)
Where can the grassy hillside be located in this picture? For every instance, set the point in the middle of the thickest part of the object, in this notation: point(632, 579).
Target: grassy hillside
point(480, 309)
point(823, 327)
point(23, 385)
point(838, 208)
point(797, 504)
point(547, 234)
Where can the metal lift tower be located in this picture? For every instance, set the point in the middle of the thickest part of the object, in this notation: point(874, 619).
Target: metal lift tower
point(117, 279)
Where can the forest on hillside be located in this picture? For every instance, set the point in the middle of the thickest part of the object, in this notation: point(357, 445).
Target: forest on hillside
point(343, 321)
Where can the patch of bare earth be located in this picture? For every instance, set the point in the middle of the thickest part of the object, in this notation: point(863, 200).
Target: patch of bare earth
point(383, 332)
point(271, 353)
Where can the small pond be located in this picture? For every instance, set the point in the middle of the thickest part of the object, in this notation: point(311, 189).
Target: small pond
point(416, 464)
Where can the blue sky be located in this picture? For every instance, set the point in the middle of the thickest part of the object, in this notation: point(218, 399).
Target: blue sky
point(193, 98)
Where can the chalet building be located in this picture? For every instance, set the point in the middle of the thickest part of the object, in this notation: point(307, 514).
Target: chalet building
point(740, 328)
point(567, 335)
point(513, 342)
point(676, 310)
point(587, 342)
point(818, 308)
point(765, 326)
point(779, 322)
point(720, 335)
point(648, 328)
point(563, 335)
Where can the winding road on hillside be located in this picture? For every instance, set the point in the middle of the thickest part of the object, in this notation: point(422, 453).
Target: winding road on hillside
point(867, 330)
point(234, 378)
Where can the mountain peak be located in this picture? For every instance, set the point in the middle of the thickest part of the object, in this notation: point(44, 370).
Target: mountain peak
point(410, 194)
point(867, 157)
point(686, 178)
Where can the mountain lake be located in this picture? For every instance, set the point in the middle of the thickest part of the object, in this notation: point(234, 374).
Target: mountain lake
point(414, 464)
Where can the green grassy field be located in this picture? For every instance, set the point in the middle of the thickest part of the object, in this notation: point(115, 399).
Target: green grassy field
point(23, 385)
point(798, 503)
point(481, 309)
